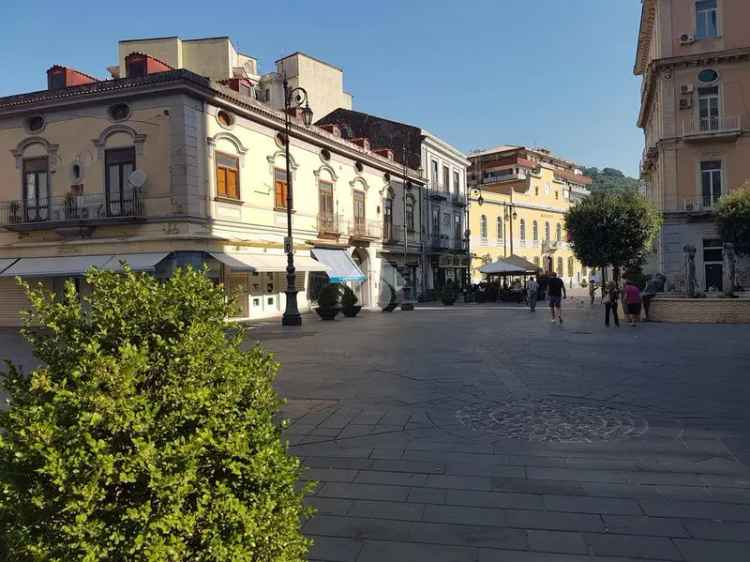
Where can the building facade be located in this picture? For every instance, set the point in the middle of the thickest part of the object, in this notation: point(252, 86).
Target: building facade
point(162, 167)
point(517, 206)
point(694, 60)
point(428, 242)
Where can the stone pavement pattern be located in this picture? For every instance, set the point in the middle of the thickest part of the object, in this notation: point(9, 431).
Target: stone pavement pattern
point(484, 433)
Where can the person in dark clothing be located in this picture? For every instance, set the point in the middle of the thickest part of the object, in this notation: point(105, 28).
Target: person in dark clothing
point(611, 298)
point(556, 292)
point(542, 292)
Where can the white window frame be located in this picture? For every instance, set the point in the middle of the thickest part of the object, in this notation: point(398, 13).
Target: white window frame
point(705, 15)
point(722, 180)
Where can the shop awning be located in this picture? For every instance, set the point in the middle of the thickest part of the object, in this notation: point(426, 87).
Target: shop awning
point(5, 263)
point(512, 265)
point(68, 266)
point(137, 262)
point(342, 267)
point(240, 262)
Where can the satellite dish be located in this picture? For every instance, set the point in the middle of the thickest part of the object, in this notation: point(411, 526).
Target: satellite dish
point(137, 178)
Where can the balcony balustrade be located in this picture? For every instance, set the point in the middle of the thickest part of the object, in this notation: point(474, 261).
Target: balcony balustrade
point(712, 127)
point(362, 229)
point(54, 212)
point(329, 225)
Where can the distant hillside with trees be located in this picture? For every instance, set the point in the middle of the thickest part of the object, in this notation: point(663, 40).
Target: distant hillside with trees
point(610, 179)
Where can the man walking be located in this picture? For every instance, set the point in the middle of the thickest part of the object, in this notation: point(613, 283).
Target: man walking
point(555, 293)
point(592, 290)
point(532, 292)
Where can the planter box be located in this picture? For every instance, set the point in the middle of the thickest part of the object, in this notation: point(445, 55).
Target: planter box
point(709, 310)
point(327, 313)
point(351, 312)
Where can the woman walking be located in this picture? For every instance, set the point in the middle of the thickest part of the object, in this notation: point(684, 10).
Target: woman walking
point(611, 297)
point(632, 301)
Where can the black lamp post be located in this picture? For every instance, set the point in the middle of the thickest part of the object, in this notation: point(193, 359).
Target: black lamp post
point(293, 99)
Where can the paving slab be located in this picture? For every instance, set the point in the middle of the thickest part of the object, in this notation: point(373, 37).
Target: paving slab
point(484, 433)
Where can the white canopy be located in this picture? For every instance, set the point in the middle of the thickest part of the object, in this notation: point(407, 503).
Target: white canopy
point(266, 262)
point(341, 266)
point(501, 267)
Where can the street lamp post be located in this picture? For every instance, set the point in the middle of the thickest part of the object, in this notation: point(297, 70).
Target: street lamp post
point(293, 99)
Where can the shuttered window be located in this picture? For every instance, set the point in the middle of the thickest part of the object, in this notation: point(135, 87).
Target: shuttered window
point(280, 188)
point(227, 176)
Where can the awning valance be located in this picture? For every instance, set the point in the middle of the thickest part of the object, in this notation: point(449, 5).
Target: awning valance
point(68, 266)
point(240, 262)
point(341, 266)
point(137, 262)
point(74, 266)
point(5, 263)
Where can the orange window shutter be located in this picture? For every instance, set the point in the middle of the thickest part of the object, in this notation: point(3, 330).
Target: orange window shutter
point(221, 181)
point(233, 188)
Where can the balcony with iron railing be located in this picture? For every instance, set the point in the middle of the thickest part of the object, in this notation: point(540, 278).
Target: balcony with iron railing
point(329, 225)
point(72, 210)
point(437, 191)
point(705, 128)
point(362, 229)
point(699, 205)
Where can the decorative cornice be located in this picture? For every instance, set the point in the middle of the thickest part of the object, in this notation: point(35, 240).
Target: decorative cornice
point(29, 141)
point(645, 33)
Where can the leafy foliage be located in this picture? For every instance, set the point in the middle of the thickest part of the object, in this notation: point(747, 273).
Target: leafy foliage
point(329, 295)
point(149, 434)
point(612, 229)
point(610, 179)
point(348, 298)
point(733, 218)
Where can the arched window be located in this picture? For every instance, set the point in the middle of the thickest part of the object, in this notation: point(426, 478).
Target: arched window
point(571, 267)
point(535, 230)
point(560, 267)
point(558, 233)
point(522, 228)
point(499, 228)
point(546, 231)
point(409, 213)
point(483, 227)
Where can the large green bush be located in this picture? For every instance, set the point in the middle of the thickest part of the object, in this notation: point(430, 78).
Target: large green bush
point(733, 218)
point(149, 434)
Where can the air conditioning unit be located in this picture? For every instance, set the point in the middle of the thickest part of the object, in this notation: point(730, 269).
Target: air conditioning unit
point(686, 89)
point(687, 39)
point(686, 103)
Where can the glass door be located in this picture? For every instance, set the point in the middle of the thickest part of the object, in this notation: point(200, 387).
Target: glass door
point(708, 108)
point(359, 212)
point(35, 190)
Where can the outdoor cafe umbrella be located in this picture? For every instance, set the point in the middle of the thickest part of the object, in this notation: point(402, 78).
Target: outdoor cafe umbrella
point(513, 265)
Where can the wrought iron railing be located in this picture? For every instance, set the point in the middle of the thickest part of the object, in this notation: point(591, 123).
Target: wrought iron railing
point(361, 228)
point(329, 224)
point(73, 208)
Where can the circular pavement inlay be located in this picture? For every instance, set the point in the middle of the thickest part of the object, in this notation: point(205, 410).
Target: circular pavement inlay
point(547, 419)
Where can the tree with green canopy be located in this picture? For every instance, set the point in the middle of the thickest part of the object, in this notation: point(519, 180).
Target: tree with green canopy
point(612, 229)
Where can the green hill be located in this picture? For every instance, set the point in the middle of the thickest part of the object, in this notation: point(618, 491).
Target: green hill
point(610, 179)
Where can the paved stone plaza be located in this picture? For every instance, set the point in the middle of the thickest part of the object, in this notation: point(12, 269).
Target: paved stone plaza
point(485, 433)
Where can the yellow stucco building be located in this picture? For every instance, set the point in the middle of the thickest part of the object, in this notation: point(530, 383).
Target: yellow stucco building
point(517, 207)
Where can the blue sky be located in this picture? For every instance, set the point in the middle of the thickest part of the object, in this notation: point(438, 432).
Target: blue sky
point(553, 73)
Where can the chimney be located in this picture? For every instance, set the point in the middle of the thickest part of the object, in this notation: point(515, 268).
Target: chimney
point(138, 65)
point(332, 129)
point(362, 142)
point(384, 152)
point(62, 77)
point(241, 85)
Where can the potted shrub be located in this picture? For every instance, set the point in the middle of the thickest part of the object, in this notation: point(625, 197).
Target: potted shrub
point(149, 433)
point(328, 301)
point(448, 295)
point(392, 302)
point(349, 305)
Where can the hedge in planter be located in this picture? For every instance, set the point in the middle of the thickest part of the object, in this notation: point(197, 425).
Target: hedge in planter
point(150, 434)
point(349, 302)
point(328, 301)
